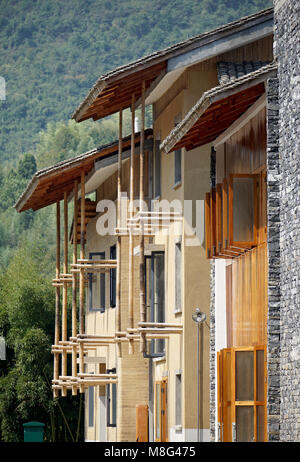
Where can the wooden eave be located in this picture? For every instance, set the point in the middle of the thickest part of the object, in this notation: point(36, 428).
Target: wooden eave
point(113, 91)
point(117, 94)
point(216, 110)
point(49, 185)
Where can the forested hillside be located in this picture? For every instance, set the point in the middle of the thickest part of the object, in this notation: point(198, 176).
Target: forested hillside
point(51, 53)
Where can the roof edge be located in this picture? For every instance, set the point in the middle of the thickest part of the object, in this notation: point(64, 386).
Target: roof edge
point(159, 56)
point(209, 97)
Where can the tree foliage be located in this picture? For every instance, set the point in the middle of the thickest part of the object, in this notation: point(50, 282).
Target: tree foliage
point(51, 53)
point(27, 321)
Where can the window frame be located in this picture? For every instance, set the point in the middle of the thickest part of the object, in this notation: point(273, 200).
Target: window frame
point(102, 282)
point(178, 278)
point(113, 278)
point(243, 244)
point(178, 399)
point(219, 218)
point(157, 169)
point(151, 287)
point(111, 401)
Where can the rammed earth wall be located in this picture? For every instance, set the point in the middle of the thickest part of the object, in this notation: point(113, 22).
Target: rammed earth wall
point(287, 53)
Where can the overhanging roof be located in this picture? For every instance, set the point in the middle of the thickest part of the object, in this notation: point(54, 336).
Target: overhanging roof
point(113, 91)
point(47, 186)
point(217, 109)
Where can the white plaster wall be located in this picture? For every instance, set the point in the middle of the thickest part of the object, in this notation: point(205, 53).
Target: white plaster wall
point(220, 320)
point(189, 435)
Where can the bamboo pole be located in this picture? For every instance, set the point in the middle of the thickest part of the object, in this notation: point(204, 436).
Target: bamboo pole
point(65, 290)
point(57, 298)
point(74, 286)
point(143, 344)
point(119, 186)
point(131, 198)
point(81, 275)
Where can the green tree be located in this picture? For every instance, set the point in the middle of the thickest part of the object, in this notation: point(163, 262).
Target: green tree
point(26, 321)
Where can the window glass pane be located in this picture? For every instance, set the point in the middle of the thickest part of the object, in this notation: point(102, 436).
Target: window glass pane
point(259, 375)
point(114, 403)
point(243, 213)
point(178, 277)
point(178, 399)
point(244, 423)
point(227, 396)
point(157, 170)
point(91, 406)
point(113, 278)
point(244, 376)
point(177, 162)
point(260, 422)
point(148, 287)
point(159, 296)
point(96, 285)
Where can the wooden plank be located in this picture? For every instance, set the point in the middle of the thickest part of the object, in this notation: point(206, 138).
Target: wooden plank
point(142, 431)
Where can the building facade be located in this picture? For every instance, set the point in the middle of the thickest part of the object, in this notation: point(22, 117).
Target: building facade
point(180, 223)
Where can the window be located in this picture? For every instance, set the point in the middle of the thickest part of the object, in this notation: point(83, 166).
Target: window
point(112, 277)
point(178, 257)
point(91, 406)
point(177, 167)
point(155, 294)
point(178, 412)
point(177, 158)
point(231, 216)
point(157, 169)
point(96, 285)
point(111, 396)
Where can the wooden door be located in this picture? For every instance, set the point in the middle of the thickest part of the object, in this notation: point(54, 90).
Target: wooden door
point(242, 394)
point(161, 411)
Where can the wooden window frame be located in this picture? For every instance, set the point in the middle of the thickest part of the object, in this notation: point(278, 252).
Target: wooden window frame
point(219, 218)
point(243, 244)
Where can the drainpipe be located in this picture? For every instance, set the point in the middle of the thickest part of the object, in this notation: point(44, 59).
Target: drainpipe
point(199, 318)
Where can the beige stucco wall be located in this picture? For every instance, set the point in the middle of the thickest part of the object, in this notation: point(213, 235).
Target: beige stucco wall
point(181, 350)
point(132, 369)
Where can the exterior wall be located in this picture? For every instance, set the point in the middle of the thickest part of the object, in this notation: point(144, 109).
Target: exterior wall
point(273, 241)
point(287, 52)
point(248, 314)
point(132, 369)
point(182, 350)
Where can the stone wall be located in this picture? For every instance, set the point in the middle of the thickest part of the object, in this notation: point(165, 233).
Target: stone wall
point(273, 218)
point(287, 53)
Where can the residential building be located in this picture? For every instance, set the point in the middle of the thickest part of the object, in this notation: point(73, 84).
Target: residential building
point(148, 371)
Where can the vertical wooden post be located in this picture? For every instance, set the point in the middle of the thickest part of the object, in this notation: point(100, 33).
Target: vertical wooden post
point(143, 345)
point(131, 189)
point(74, 286)
point(65, 291)
point(57, 298)
point(81, 281)
point(119, 186)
